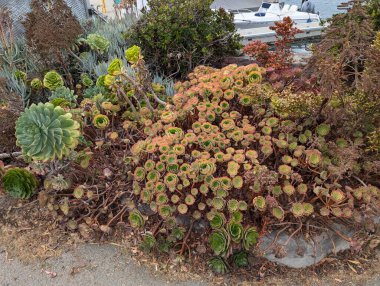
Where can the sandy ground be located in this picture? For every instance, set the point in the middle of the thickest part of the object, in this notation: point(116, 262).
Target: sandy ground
point(94, 265)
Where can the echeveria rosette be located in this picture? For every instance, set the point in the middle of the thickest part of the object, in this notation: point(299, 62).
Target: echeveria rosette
point(86, 80)
point(219, 241)
point(53, 80)
point(115, 67)
point(20, 75)
point(135, 219)
point(133, 54)
point(236, 231)
point(218, 265)
point(101, 121)
point(36, 84)
point(45, 132)
point(97, 43)
point(19, 183)
point(64, 93)
point(250, 237)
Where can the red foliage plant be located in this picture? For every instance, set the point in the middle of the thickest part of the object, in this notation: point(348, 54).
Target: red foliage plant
point(282, 57)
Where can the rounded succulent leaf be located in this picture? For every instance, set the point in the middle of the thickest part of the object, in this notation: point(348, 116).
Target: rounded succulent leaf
point(278, 213)
point(298, 209)
point(323, 129)
point(101, 121)
point(45, 132)
point(260, 203)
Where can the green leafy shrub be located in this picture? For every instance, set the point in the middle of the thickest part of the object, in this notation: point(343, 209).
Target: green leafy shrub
point(45, 132)
point(176, 36)
point(19, 183)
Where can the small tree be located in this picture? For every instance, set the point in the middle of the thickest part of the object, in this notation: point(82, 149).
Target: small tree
point(51, 29)
point(282, 57)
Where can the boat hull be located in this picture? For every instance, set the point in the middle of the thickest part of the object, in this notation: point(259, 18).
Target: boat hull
point(264, 34)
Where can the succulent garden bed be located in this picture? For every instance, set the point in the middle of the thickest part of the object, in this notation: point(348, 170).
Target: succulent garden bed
point(224, 164)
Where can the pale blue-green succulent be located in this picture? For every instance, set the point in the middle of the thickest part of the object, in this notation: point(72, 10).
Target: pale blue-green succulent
point(45, 132)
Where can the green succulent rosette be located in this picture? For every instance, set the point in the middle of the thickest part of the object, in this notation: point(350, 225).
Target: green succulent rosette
point(65, 93)
point(101, 121)
point(236, 231)
point(115, 67)
point(45, 132)
point(219, 241)
point(36, 84)
point(133, 54)
point(135, 219)
point(97, 43)
point(218, 265)
point(19, 183)
point(52, 80)
point(86, 80)
point(250, 237)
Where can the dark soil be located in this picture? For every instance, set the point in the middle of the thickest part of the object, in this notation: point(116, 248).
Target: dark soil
point(10, 106)
point(7, 131)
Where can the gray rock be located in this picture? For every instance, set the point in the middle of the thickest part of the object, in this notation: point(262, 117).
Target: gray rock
point(301, 253)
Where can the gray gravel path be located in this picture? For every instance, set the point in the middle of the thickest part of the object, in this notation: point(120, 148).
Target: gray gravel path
point(95, 265)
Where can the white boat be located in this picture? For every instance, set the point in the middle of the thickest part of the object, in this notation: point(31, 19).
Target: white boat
point(271, 11)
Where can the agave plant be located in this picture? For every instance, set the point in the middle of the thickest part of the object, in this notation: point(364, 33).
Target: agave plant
point(45, 132)
point(19, 183)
